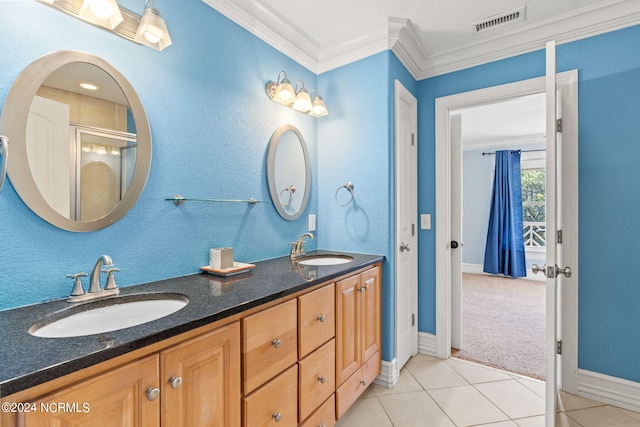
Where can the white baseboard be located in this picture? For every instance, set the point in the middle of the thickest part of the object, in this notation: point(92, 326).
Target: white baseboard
point(604, 388)
point(427, 344)
point(388, 374)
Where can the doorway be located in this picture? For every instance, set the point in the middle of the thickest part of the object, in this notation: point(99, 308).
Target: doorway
point(496, 320)
point(445, 235)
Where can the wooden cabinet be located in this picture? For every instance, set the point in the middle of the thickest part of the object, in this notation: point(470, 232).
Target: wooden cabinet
point(114, 399)
point(275, 403)
point(193, 383)
point(269, 344)
point(201, 380)
point(316, 319)
point(357, 335)
point(316, 378)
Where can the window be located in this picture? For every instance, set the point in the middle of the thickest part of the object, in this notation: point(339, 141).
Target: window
point(533, 202)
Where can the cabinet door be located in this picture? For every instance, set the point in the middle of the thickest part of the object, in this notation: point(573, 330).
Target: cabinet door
point(370, 290)
point(348, 347)
point(115, 399)
point(316, 322)
point(269, 344)
point(201, 381)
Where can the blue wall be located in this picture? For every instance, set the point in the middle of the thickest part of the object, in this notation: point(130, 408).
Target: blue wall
point(609, 185)
point(205, 100)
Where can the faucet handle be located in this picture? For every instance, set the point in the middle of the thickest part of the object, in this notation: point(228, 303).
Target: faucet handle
point(77, 283)
point(111, 281)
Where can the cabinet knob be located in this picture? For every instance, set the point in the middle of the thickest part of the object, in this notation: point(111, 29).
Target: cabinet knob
point(364, 288)
point(322, 379)
point(363, 382)
point(276, 343)
point(175, 382)
point(153, 393)
point(321, 318)
point(277, 416)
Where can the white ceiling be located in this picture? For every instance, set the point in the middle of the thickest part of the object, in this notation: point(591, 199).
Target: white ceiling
point(430, 37)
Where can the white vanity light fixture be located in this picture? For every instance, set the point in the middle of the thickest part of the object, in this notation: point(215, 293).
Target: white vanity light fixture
point(105, 13)
point(299, 99)
point(152, 30)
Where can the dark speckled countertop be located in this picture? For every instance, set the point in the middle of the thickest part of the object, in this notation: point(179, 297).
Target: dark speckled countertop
point(26, 361)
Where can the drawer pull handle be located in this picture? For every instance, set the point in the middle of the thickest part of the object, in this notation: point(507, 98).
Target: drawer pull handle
point(153, 393)
point(276, 343)
point(322, 379)
point(175, 382)
point(363, 382)
point(277, 416)
point(321, 318)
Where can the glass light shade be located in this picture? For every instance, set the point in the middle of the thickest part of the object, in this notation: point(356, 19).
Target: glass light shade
point(303, 101)
point(284, 93)
point(318, 108)
point(152, 30)
point(105, 13)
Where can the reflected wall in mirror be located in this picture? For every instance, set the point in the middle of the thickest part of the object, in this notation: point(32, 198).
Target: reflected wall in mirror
point(288, 172)
point(82, 141)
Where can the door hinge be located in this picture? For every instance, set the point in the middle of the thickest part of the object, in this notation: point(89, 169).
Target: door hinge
point(413, 139)
point(559, 347)
point(413, 229)
point(413, 319)
point(559, 125)
point(559, 236)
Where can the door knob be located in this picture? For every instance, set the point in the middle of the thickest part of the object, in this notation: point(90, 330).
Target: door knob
point(454, 244)
point(405, 247)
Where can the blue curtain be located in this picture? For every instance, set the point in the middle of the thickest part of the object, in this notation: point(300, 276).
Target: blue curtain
point(504, 253)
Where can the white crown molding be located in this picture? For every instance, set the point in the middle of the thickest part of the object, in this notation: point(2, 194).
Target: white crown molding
point(400, 37)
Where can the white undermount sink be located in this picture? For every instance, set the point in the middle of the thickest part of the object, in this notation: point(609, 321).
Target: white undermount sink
point(324, 259)
point(108, 315)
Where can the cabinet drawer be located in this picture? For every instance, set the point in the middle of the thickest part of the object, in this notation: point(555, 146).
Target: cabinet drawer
point(325, 416)
point(357, 383)
point(275, 403)
point(316, 320)
point(316, 378)
point(269, 344)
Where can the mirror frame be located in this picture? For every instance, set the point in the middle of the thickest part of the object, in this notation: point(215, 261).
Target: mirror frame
point(271, 166)
point(13, 123)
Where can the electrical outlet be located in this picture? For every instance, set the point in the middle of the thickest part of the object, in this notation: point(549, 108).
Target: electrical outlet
point(312, 222)
point(425, 221)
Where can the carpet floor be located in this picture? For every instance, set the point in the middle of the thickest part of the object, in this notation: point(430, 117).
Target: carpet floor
point(503, 323)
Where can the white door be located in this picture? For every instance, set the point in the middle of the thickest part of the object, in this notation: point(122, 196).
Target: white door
point(49, 152)
point(406, 241)
point(456, 231)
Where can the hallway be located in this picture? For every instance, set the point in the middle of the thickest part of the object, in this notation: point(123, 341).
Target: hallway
point(454, 393)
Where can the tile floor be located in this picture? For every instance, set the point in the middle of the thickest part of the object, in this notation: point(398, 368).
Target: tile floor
point(453, 393)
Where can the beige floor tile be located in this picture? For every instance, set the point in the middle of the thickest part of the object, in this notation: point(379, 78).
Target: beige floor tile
point(634, 415)
point(513, 398)
point(436, 374)
point(421, 358)
point(406, 383)
point(466, 406)
point(535, 386)
point(475, 373)
point(571, 402)
point(367, 412)
point(563, 421)
point(415, 409)
point(500, 424)
point(531, 421)
point(602, 416)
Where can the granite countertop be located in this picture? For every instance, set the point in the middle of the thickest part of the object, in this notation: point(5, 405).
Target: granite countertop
point(26, 361)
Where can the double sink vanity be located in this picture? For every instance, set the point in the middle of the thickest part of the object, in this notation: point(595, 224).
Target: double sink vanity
point(284, 344)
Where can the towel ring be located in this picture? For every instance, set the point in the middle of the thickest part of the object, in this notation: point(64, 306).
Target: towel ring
point(290, 189)
point(349, 187)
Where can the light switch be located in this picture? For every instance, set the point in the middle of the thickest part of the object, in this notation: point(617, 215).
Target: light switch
point(312, 222)
point(425, 221)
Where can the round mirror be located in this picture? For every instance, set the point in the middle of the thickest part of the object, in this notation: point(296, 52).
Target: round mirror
point(288, 172)
point(80, 141)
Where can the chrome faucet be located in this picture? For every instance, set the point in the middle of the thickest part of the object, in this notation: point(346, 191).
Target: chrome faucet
point(297, 247)
point(78, 294)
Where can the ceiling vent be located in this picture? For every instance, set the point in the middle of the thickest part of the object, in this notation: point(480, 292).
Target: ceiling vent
point(496, 21)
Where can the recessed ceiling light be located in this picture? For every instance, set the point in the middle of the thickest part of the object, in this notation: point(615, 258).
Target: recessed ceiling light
point(88, 86)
